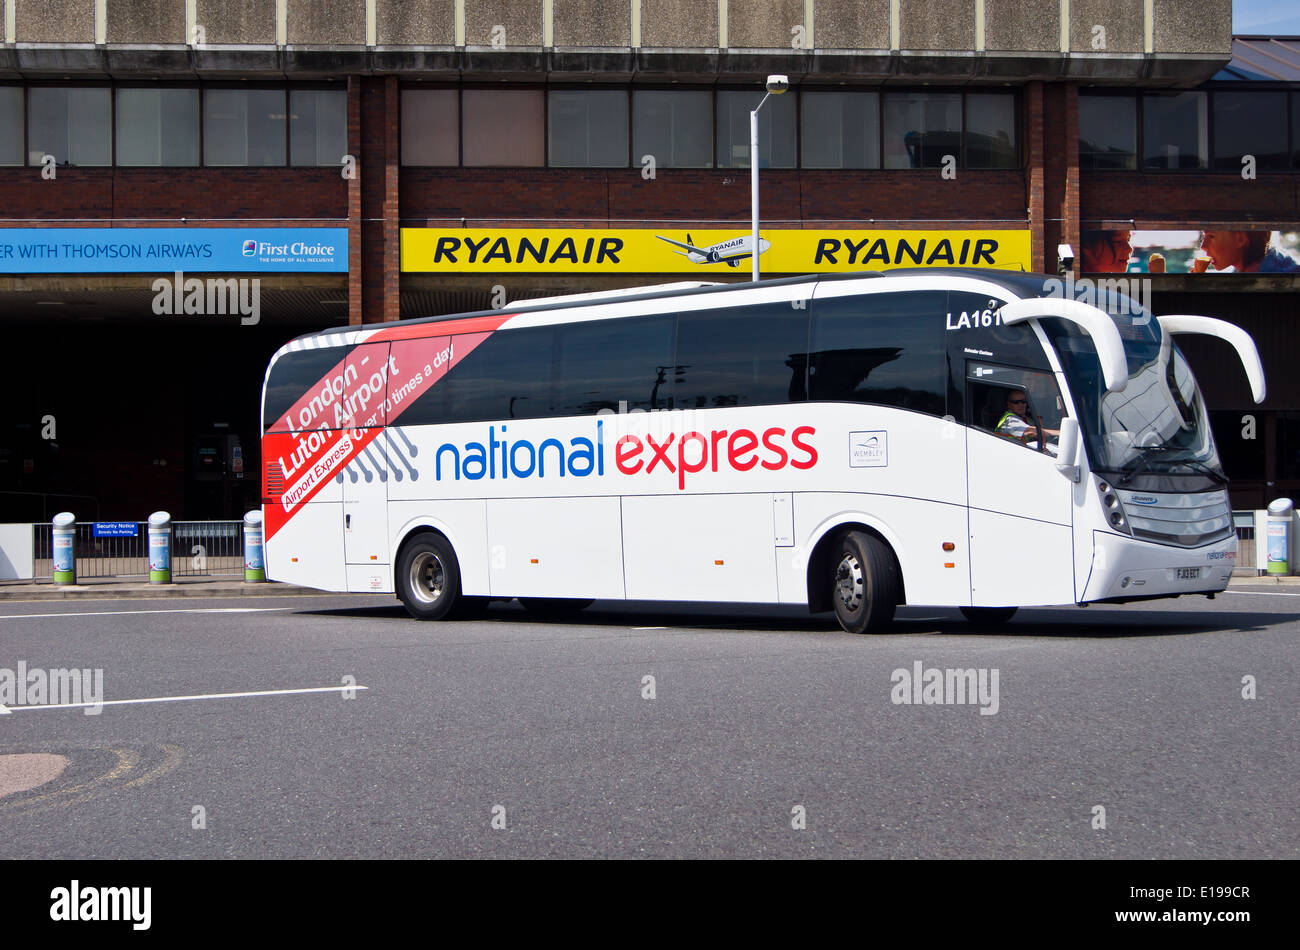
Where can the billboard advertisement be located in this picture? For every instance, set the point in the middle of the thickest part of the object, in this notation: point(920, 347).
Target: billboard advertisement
point(699, 251)
point(154, 250)
point(1107, 251)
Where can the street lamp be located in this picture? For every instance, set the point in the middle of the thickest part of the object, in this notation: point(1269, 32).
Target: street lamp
point(775, 86)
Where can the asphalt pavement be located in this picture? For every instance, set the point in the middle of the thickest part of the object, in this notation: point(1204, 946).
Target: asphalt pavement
point(637, 730)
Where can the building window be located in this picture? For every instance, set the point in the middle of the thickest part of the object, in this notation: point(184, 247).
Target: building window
point(244, 127)
point(158, 127)
point(430, 127)
point(776, 130)
point(674, 126)
point(1108, 132)
point(991, 131)
point(70, 123)
point(11, 125)
point(1174, 130)
point(587, 128)
point(840, 130)
point(1247, 123)
point(318, 126)
point(503, 127)
point(922, 129)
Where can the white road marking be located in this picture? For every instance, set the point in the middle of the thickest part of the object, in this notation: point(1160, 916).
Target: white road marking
point(169, 610)
point(4, 710)
point(649, 628)
point(1260, 593)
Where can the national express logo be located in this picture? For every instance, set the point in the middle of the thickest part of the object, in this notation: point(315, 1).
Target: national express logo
point(501, 456)
point(250, 248)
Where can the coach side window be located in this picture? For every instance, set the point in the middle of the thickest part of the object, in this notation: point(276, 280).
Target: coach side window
point(885, 349)
point(741, 356)
point(1020, 405)
point(618, 365)
point(508, 376)
point(295, 375)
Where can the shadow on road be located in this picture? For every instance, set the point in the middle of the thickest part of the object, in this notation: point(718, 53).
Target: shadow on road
point(1095, 623)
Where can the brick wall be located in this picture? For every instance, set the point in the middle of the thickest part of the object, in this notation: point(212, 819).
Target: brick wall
point(172, 193)
point(379, 183)
point(1190, 198)
point(1060, 171)
point(1035, 177)
point(603, 195)
point(355, 273)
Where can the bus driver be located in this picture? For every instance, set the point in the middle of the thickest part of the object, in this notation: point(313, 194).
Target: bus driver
point(1015, 422)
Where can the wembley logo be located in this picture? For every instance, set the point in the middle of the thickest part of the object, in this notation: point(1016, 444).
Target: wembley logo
point(250, 248)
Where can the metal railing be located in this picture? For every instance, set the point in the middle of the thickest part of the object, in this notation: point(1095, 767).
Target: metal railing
point(199, 549)
point(1247, 551)
point(207, 548)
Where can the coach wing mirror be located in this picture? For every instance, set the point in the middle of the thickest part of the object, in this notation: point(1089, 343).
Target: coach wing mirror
point(1105, 338)
point(1067, 445)
point(1239, 338)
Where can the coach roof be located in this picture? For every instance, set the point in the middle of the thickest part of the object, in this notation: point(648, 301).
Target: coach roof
point(1019, 285)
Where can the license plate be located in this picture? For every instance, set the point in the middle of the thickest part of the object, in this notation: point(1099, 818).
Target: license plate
point(1188, 573)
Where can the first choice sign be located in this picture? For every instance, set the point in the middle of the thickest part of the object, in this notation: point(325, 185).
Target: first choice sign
point(653, 251)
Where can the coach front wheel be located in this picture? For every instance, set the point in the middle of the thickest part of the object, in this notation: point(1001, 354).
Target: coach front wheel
point(428, 578)
point(864, 582)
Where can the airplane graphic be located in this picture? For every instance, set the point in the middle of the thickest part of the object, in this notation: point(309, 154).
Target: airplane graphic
point(731, 252)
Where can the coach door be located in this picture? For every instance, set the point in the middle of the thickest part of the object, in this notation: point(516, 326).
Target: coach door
point(1020, 505)
point(365, 479)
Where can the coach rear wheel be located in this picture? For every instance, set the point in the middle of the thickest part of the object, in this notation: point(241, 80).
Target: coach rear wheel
point(864, 583)
point(428, 578)
point(988, 615)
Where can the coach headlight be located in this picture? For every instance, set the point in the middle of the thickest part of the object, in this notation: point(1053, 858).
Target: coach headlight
point(1113, 507)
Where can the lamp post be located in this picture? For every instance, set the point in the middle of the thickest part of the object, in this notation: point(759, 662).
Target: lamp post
point(775, 86)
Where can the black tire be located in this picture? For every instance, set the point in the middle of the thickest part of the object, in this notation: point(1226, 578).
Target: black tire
point(428, 578)
point(864, 580)
point(554, 606)
point(990, 616)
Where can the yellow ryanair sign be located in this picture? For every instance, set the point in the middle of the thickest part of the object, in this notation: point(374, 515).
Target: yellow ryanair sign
point(647, 251)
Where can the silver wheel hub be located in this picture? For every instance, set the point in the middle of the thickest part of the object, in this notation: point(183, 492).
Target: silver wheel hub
point(849, 584)
point(427, 579)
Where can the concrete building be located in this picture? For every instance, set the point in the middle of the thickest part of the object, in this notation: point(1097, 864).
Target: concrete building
point(356, 161)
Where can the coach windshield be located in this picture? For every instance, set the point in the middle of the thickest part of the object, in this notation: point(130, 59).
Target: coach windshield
point(1154, 434)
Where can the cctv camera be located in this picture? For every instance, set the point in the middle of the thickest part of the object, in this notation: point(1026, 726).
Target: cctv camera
point(1064, 257)
point(778, 84)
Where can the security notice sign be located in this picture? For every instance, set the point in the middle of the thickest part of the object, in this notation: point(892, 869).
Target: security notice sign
point(646, 251)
